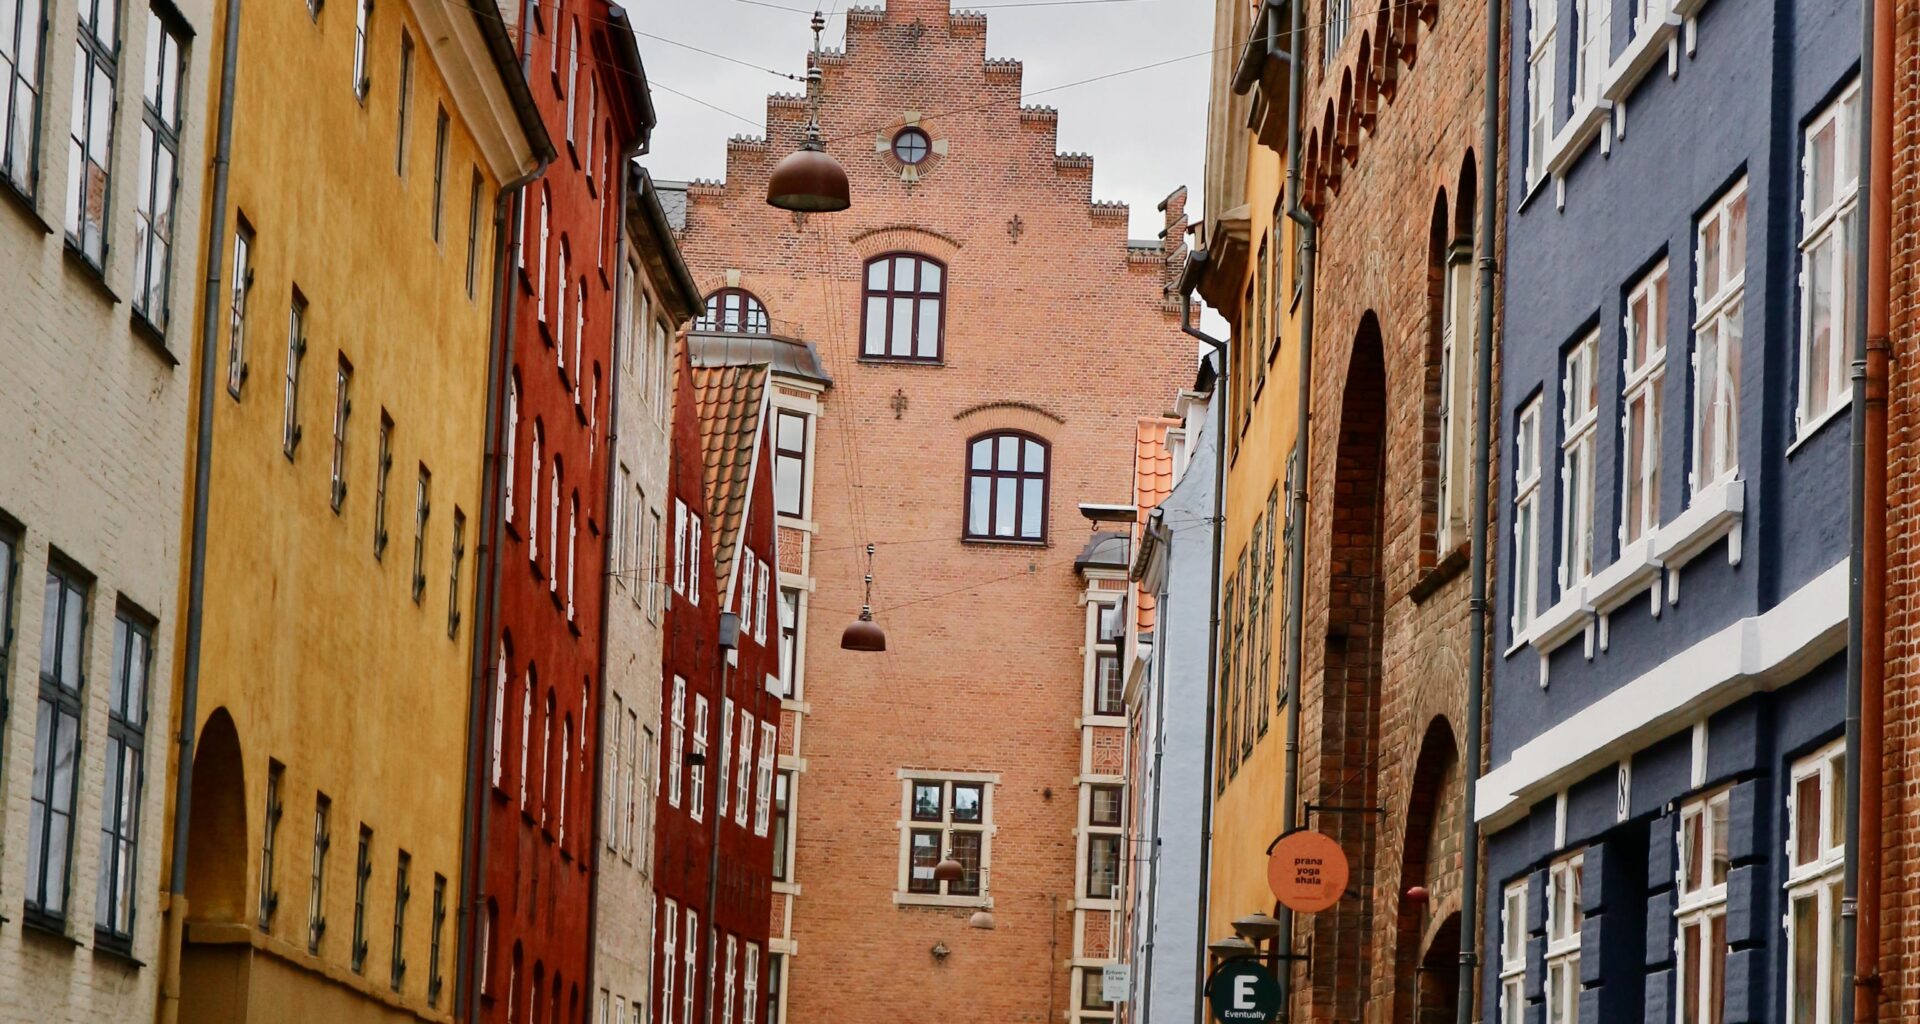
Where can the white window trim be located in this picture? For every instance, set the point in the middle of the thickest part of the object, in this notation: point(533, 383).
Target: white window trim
point(1717, 310)
point(677, 754)
point(669, 953)
point(725, 781)
point(1563, 950)
point(1578, 418)
point(763, 779)
point(1457, 305)
point(1643, 382)
point(1542, 26)
point(697, 790)
point(1513, 956)
point(988, 782)
point(1526, 520)
point(1698, 903)
point(1837, 221)
point(1820, 876)
point(743, 771)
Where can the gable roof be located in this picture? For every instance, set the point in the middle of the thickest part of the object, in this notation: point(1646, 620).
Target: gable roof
point(731, 402)
point(1152, 482)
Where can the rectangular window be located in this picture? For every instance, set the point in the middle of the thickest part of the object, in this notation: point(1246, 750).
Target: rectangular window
point(90, 143)
point(402, 895)
point(790, 640)
point(1829, 180)
point(789, 463)
point(20, 54)
point(694, 558)
point(751, 1004)
point(421, 508)
point(616, 789)
point(473, 233)
point(904, 310)
point(1816, 852)
point(743, 770)
point(679, 546)
point(1594, 21)
point(1526, 518)
point(782, 824)
point(434, 978)
point(776, 983)
point(362, 872)
point(1457, 303)
point(763, 778)
point(363, 13)
point(669, 946)
point(655, 597)
point(296, 354)
point(159, 152)
point(1338, 18)
point(1542, 20)
point(56, 769)
point(1564, 920)
point(1578, 416)
point(726, 757)
point(242, 283)
point(617, 515)
point(676, 753)
point(693, 967)
point(763, 586)
point(439, 174)
point(1103, 866)
point(269, 842)
point(640, 802)
point(732, 975)
point(342, 408)
point(405, 91)
point(1720, 268)
point(697, 790)
point(125, 780)
point(1104, 805)
point(457, 559)
point(947, 818)
point(317, 877)
point(1645, 364)
point(1701, 913)
point(1513, 955)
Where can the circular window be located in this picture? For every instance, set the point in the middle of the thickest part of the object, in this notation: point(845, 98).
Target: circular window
point(911, 146)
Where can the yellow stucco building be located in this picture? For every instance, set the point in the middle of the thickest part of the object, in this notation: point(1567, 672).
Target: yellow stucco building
point(351, 329)
point(1250, 279)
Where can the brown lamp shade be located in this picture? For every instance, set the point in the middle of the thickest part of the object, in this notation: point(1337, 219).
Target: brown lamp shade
point(864, 634)
point(809, 180)
point(948, 870)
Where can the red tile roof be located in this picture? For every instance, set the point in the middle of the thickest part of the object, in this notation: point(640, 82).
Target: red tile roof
point(731, 401)
point(1152, 482)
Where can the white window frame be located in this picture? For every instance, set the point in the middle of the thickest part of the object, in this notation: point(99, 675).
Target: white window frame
point(697, 785)
point(693, 558)
point(1721, 319)
point(693, 965)
point(732, 976)
point(1526, 517)
point(1817, 879)
point(669, 953)
point(526, 731)
point(750, 1005)
point(679, 546)
point(1457, 305)
point(946, 826)
point(1513, 954)
point(1646, 339)
point(725, 782)
point(678, 718)
point(763, 587)
point(655, 590)
point(743, 769)
point(763, 778)
point(499, 718)
point(1543, 19)
point(618, 786)
point(533, 500)
point(239, 288)
point(513, 442)
point(1579, 418)
point(1564, 919)
point(1701, 903)
point(1826, 243)
point(1593, 48)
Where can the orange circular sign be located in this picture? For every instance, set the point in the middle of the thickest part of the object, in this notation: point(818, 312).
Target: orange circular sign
point(1307, 872)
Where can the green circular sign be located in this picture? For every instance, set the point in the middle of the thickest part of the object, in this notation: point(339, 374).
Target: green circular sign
point(1243, 992)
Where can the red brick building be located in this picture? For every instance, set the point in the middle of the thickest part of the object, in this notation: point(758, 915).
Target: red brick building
point(987, 338)
point(720, 717)
point(536, 856)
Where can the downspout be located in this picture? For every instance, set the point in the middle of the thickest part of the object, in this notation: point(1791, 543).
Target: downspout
point(713, 852)
point(1160, 534)
point(1491, 204)
point(1297, 499)
point(174, 939)
point(1867, 566)
point(1219, 401)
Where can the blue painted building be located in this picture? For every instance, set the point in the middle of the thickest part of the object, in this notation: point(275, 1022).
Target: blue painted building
point(1663, 798)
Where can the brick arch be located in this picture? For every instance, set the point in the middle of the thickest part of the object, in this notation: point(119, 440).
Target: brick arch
point(1011, 414)
point(1439, 239)
point(1329, 156)
point(1407, 34)
point(1366, 93)
point(1465, 223)
point(1347, 125)
point(1351, 698)
point(904, 238)
point(1429, 844)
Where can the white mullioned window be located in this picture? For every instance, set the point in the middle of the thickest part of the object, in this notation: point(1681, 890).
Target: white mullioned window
point(947, 816)
point(1564, 919)
point(679, 546)
point(513, 441)
point(553, 526)
point(732, 977)
point(763, 779)
point(764, 587)
point(546, 242)
point(745, 589)
point(363, 13)
point(1457, 303)
point(342, 409)
point(499, 715)
point(533, 499)
point(697, 792)
point(1644, 373)
point(676, 752)
point(693, 966)
point(1578, 417)
point(1542, 20)
point(749, 1011)
point(655, 595)
point(1700, 941)
point(669, 945)
point(1513, 954)
point(618, 784)
point(693, 558)
point(1720, 269)
point(1526, 517)
point(90, 144)
point(573, 540)
point(296, 353)
point(1594, 22)
point(743, 770)
point(1829, 182)
point(241, 284)
point(526, 731)
point(726, 757)
point(1816, 851)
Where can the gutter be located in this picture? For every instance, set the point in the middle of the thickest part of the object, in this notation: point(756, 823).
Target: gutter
point(1156, 535)
point(649, 198)
point(173, 940)
point(1491, 203)
point(506, 61)
point(1189, 280)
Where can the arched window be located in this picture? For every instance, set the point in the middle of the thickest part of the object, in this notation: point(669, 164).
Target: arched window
point(533, 498)
point(540, 283)
point(513, 438)
point(499, 716)
point(905, 309)
point(1007, 487)
point(553, 529)
point(566, 749)
point(546, 762)
point(734, 311)
point(526, 729)
point(573, 539)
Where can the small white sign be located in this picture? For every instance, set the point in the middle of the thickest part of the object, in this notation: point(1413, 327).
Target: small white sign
point(1115, 981)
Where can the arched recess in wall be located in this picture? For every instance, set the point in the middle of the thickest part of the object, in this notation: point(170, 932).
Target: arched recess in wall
point(1430, 841)
point(1356, 604)
point(1436, 381)
point(217, 832)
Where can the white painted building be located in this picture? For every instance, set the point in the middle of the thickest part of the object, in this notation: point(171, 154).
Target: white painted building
point(98, 223)
point(656, 296)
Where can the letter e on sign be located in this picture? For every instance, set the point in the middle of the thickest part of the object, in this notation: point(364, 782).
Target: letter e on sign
point(1307, 872)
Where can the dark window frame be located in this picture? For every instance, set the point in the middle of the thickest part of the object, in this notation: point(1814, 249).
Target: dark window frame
point(1119, 805)
point(268, 898)
point(796, 456)
point(317, 872)
point(402, 895)
point(382, 470)
point(60, 703)
point(994, 473)
point(88, 228)
point(752, 313)
point(1117, 843)
point(290, 430)
point(909, 136)
point(435, 980)
point(931, 885)
point(891, 291)
point(117, 904)
point(441, 127)
point(160, 126)
point(362, 872)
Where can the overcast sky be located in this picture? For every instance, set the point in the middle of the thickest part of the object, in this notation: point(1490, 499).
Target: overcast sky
point(1145, 130)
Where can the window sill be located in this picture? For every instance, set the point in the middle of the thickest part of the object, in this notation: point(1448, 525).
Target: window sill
point(117, 950)
point(1433, 579)
point(25, 204)
point(927, 899)
point(35, 923)
point(1573, 137)
point(1634, 572)
point(94, 274)
point(1642, 54)
point(151, 333)
point(1555, 627)
point(1714, 513)
point(1003, 542)
point(901, 361)
point(1820, 422)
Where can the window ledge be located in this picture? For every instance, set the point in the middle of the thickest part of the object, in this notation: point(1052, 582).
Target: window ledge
point(1433, 579)
point(1714, 513)
point(1633, 573)
point(1553, 628)
point(94, 274)
point(117, 950)
point(901, 361)
point(25, 204)
point(925, 899)
point(1003, 542)
point(1649, 44)
point(1819, 423)
point(1573, 137)
point(151, 333)
point(36, 923)
point(1685, 9)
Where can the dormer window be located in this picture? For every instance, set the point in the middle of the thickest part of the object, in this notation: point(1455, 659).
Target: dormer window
point(734, 311)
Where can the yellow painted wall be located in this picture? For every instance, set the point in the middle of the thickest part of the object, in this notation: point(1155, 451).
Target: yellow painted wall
point(1261, 421)
point(317, 649)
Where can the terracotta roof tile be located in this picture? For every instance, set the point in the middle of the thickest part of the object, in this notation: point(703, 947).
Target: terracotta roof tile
point(730, 400)
point(1152, 482)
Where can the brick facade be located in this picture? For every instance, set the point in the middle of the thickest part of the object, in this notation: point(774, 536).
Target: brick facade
point(1054, 325)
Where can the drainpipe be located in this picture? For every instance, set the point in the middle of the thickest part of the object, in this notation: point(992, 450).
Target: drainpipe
point(174, 939)
point(1867, 565)
point(1162, 535)
point(1219, 401)
point(1477, 610)
point(724, 653)
point(1308, 228)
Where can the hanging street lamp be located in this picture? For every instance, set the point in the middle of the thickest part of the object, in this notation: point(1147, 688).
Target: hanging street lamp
point(864, 634)
point(809, 179)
